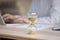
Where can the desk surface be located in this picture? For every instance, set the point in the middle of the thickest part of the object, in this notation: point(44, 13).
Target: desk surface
point(21, 32)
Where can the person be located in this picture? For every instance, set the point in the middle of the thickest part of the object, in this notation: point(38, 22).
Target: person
point(47, 10)
point(10, 18)
point(49, 6)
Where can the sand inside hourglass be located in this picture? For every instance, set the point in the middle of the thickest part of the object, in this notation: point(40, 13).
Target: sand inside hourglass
point(32, 18)
point(31, 32)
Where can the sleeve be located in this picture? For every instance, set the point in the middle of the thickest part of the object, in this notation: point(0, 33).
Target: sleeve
point(17, 16)
point(55, 11)
point(55, 14)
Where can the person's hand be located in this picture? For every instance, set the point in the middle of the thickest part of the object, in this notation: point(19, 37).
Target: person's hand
point(12, 19)
point(26, 20)
point(19, 19)
point(8, 17)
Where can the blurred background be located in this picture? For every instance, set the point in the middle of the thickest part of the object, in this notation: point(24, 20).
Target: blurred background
point(41, 7)
point(14, 6)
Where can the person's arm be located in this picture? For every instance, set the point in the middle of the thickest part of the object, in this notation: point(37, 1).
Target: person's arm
point(8, 18)
point(55, 14)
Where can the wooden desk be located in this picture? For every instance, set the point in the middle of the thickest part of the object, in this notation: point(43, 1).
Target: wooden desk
point(20, 34)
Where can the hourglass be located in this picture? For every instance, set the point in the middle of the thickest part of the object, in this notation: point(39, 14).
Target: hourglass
point(32, 28)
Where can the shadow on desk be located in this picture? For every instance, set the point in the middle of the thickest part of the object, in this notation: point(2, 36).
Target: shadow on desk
point(5, 39)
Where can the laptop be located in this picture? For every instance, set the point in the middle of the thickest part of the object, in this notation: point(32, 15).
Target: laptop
point(2, 22)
